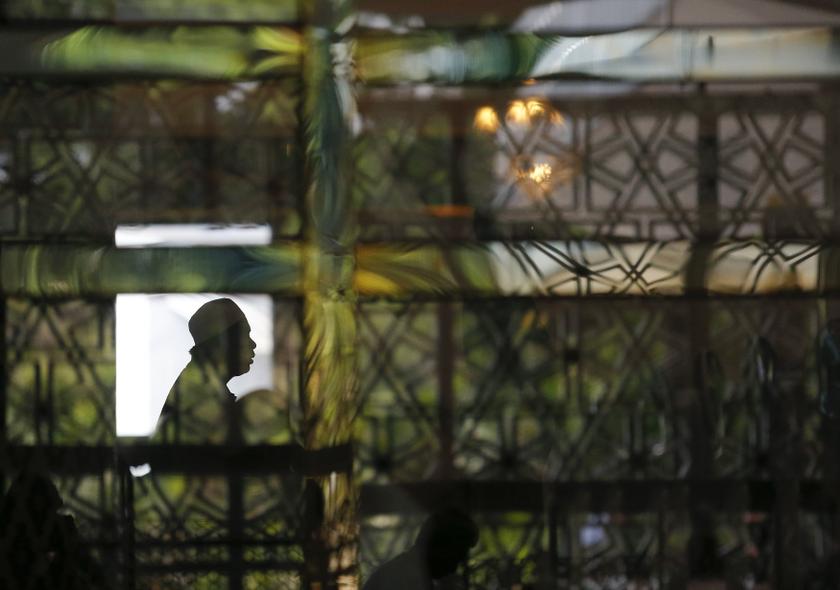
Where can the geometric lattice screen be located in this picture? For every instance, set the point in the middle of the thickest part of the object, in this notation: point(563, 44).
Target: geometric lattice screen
point(596, 312)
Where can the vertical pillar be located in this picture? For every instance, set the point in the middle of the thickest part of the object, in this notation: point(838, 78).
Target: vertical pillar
point(236, 530)
point(235, 491)
point(330, 382)
point(702, 556)
point(446, 401)
point(127, 541)
point(445, 310)
point(707, 172)
point(4, 384)
point(784, 364)
point(696, 402)
point(830, 284)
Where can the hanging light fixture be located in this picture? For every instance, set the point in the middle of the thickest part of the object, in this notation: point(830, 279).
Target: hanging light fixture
point(486, 120)
point(536, 173)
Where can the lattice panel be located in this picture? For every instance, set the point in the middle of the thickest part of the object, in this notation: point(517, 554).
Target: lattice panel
point(599, 372)
point(496, 562)
point(93, 501)
point(8, 204)
point(183, 523)
point(218, 581)
point(78, 186)
point(771, 179)
point(819, 549)
point(398, 392)
point(177, 509)
point(279, 580)
point(589, 392)
point(509, 551)
point(760, 353)
point(176, 581)
point(643, 173)
point(570, 392)
point(403, 165)
point(60, 362)
point(629, 173)
point(614, 550)
point(498, 432)
point(82, 159)
point(273, 512)
point(508, 554)
point(594, 550)
point(158, 108)
point(535, 168)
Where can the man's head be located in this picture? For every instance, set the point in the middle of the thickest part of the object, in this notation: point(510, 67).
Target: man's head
point(446, 539)
point(222, 337)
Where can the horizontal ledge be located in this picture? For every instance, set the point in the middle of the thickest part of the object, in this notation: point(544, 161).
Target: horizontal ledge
point(591, 17)
point(560, 269)
point(62, 25)
point(651, 53)
point(638, 54)
point(235, 52)
point(627, 496)
point(151, 544)
point(78, 270)
point(185, 459)
point(220, 566)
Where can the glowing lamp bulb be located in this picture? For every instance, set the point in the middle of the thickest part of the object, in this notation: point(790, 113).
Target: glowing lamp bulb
point(518, 112)
point(486, 119)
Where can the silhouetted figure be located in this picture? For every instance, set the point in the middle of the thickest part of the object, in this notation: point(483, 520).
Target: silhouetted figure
point(223, 350)
point(40, 548)
point(828, 369)
point(444, 542)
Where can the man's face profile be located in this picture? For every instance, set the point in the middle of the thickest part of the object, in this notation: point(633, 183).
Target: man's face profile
point(222, 337)
point(239, 348)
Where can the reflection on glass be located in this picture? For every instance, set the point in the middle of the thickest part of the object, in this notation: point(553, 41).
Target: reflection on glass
point(153, 343)
point(152, 334)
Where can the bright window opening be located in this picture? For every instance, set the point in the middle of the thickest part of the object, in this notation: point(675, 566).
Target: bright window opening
point(152, 338)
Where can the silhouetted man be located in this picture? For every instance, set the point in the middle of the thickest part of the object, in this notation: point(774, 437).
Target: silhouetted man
point(40, 547)
point(223, 350)
point(444, 542)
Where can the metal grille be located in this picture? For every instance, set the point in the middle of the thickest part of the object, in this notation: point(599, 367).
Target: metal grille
point(602, 318)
